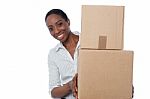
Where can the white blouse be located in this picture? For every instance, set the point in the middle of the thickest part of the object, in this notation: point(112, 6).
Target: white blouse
point(62, 67)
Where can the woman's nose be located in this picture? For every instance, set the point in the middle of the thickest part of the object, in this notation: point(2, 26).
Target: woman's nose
point(56, 30)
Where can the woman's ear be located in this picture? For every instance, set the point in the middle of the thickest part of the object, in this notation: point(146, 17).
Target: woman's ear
point(68, 22)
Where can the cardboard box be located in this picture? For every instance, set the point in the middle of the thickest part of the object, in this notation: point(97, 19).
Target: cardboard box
point(102, 27)
point(105, 74)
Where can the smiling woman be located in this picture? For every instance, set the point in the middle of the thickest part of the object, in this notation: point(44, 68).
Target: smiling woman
point(58, 27)
point(62, 60)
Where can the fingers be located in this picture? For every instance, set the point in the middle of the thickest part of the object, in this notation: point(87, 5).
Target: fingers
point(75, 95)
point(75, 90)
point(75, 87)
point(132, 91)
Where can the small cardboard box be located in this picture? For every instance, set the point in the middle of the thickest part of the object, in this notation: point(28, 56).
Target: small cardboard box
point(105, 74)
point(102, 27)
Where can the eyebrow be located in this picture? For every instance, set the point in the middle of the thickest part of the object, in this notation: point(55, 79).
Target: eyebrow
point(55, 23)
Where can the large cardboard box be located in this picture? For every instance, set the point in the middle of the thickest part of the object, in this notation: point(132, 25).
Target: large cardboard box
point(102, 27)
point(105, 74)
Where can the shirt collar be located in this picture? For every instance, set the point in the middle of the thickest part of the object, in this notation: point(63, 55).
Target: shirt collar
point(59, 46)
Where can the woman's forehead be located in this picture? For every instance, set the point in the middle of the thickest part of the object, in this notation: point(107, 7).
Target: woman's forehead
point(53, 18)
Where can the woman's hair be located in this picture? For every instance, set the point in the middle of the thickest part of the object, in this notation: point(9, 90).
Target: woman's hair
point(57, 12)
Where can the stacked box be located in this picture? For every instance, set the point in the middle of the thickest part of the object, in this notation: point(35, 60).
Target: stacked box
point(102, 27)
point(105, 70)
point(105, 74)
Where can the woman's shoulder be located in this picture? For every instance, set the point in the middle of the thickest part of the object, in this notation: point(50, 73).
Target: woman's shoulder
point(53, 50)
point(76, 33)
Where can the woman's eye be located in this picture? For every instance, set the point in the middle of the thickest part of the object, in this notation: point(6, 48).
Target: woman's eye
point(59, 24)
point(50, 29)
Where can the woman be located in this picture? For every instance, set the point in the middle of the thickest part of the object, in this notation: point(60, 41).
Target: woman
point(62, 59)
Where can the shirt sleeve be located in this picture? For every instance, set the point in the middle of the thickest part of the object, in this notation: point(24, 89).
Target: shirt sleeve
point(54, 74)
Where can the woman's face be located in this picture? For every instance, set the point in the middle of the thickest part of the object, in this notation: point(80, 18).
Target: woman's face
point(58, 27)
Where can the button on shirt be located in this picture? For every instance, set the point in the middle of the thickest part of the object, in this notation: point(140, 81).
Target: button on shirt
point(62, 67)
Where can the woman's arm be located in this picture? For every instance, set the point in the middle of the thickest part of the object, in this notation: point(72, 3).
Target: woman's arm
point(62, 91)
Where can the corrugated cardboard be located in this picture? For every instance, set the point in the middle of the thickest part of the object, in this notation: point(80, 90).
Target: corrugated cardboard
point(105, 74)
point(102, 27)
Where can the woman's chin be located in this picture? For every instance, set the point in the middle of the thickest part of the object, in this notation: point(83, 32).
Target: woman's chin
point(62, 40)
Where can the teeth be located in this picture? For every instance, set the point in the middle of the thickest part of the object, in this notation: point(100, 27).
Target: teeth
point(60, 36)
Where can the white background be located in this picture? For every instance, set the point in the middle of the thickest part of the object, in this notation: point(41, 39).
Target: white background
point(25, 42)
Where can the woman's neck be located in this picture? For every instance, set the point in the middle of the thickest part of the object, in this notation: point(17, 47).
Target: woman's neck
point(71, 44)
point(71, 41)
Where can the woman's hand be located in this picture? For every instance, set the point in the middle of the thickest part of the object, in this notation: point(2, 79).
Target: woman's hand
point(132, 91)
point(75, 86)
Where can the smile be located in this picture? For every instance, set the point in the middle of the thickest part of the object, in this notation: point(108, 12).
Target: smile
point(60, 36)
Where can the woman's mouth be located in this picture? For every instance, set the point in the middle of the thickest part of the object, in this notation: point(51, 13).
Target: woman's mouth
point(60, 36)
